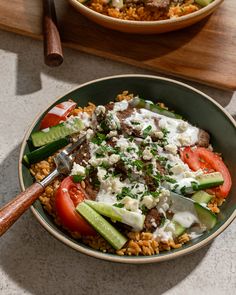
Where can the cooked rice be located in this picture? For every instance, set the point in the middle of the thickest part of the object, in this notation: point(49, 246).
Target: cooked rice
point(139, 12)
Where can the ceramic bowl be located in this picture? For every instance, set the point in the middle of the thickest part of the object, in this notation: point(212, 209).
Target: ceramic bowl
point(194, 105)
point(146, 27)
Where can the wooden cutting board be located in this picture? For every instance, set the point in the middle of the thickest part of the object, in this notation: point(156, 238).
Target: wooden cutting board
point(205, 52)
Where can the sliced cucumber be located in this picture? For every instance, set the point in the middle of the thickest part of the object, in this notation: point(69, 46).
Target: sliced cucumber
point(202, 197)
point(208, 180)
point(179, 229)
point(141, 103)
point(205, 216)
point(133, 219)
point(43, 137)
point(203, 2)
point(44, 151)
point(109, 232)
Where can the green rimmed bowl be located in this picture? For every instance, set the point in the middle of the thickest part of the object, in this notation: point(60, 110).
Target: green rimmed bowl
point(195, 106)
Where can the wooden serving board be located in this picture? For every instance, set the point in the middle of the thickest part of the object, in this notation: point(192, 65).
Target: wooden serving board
point(205, 52)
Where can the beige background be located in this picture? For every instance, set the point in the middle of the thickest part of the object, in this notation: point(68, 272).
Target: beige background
point(32, 261)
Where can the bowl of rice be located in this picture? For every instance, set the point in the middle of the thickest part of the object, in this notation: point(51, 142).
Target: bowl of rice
point(145, 16)
point(140, 246)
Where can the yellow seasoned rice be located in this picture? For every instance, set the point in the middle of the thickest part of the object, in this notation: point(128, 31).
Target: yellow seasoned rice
point(139, 12)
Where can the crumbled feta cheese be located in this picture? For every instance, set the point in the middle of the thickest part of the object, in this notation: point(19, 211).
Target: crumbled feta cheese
point(101, 174)
point(130, 204)
point(184, 140)
point(147, 155)
point(100, 110)
point(164, 193)
point(149, 202)
point(182, 126)
point(158, 134)
point(78, 170)
point(112, 133)
point(171, 148)
point(114, 159)
point(65, 190)
point(163, 123)
point(89, 134)
point(122, 105)
point(112, 120)
point(177, 169)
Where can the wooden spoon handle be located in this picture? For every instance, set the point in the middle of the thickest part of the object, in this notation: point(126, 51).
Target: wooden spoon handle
point(52, 43)
point(15, 208)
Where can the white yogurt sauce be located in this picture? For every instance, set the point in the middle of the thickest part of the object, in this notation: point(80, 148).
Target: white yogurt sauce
point(177, 135)
point(185, 218)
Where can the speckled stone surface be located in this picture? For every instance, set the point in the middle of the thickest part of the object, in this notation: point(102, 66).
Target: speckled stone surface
point(32, 261)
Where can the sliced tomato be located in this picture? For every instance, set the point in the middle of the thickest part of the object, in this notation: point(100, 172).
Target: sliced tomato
point(68, 196)
point(57, 114)
point(202, 158)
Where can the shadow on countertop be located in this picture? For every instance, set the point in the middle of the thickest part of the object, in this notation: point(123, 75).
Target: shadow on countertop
point(39, 264)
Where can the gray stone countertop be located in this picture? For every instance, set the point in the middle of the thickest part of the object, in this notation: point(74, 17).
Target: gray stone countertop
point(32, 261)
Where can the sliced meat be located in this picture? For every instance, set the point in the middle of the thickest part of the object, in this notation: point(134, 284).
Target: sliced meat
point(153, 220)
point(122, 116)
point(150, 181)
point(83, 154)
point(157, 4)
point(203, 138)
point(82, 158)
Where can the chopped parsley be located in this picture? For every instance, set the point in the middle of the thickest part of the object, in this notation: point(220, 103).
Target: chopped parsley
point(119, 205)
point(98, 138)
point(77, 178)
point(147, 131)
point(125, 192)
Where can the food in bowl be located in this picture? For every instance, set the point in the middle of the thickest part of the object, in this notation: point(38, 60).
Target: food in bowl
point(145, 180)
point(145, 10)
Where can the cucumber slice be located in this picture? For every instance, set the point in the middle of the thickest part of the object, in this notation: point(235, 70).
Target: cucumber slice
point(179, 229)
point(133, 219)
point(203, 2)
point(141, 103)
point(44, 151)
point(202, 197)
point(109, 232)
point(43, 137)
point(208, 181)
point(205, 216)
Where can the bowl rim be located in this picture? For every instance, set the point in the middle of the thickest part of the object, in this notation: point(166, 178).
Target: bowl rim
point(105, 18)
point(104, 256)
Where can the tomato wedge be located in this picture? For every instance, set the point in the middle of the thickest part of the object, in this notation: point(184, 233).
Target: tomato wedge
point(57, 114)
point(68, 196)
point(202, 158)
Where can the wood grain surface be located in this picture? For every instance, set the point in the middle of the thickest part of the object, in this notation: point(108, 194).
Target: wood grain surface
point(205, 52)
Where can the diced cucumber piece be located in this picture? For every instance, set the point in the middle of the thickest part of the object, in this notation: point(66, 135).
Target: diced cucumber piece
point(141, 103)
point(205, 216)
point(44, 151)
point(53, 133)
point(203, 2)
point(202, 197)
point(208, 180)
point(109, 232)
point(133, 219)
point(179, 229)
